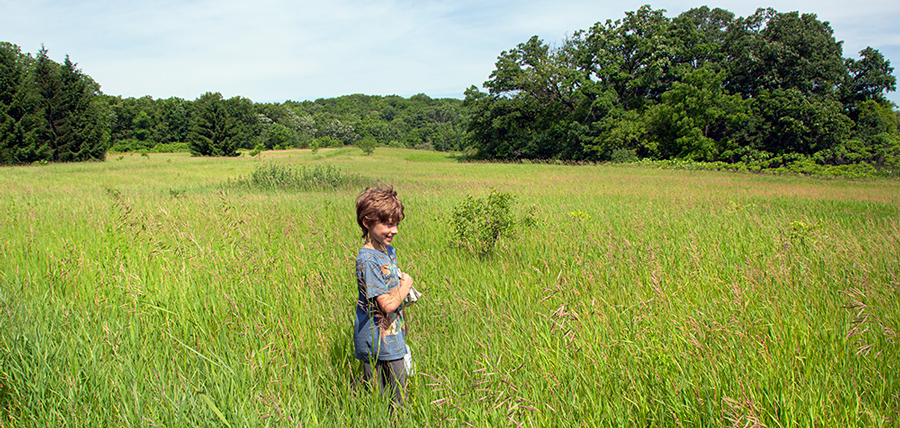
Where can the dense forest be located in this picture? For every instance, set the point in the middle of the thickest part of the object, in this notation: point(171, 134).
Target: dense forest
point(768, 89)
point(705, 86)
point(49, 112)
point(211, 121)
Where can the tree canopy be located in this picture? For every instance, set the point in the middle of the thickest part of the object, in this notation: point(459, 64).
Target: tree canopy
point(415, 122)
point(703, 86)
point(48, 111)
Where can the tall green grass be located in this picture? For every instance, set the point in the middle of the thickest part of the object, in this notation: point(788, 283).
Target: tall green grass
point(276, 176)
point(150, 292)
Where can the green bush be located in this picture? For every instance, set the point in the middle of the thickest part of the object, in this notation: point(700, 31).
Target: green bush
point(136, 146)
point(623, 156)
point(478, 223)
point(171, 148)
point(367, 145)
point(260, 147)
point(791, 164)
point(130, 145)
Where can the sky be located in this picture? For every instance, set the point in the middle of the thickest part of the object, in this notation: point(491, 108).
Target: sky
point(278, 50)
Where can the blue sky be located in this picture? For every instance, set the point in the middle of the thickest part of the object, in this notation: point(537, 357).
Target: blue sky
point(275, 50)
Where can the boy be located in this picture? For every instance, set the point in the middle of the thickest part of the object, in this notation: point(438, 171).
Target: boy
point(379, 336)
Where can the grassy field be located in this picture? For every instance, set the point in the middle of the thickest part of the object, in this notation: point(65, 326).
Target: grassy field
point(152, 291)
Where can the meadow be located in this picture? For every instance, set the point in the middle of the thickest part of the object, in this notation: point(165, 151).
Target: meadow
point(153, 291)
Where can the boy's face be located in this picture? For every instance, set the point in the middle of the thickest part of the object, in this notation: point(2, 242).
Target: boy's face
point(381, 234)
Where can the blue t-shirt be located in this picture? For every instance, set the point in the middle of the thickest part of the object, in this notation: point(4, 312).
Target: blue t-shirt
point(377, 335)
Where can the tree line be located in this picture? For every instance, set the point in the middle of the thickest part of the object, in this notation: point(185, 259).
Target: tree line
point(767, 89)
point(212, 125)
point(770, 88)
point(52, 112)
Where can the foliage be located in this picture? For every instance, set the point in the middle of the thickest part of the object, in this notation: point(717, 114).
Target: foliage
point(424, 146)
point(48, 111)
point(870, 77)
point(623, 156)
point(257, 150)
point(694, 118)
point(338, 131)
point(367, 145)
point(275, 176)
point(171, 148)
point(221, 125)
point(324, 143)
point(334, 122)
point(769, 50)
point(779, 165)
point(480, 222)
point(788, 122)
point(704, 86)
point(279, 137)
point(130, 145)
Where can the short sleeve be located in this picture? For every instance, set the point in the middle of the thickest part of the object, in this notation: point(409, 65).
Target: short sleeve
point(378, 274)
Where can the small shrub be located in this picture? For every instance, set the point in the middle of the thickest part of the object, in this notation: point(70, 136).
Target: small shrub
point(367, 145)
point(325, 142)
point(130, 145)
point(478, 223)
point(171, 148)
point(623, 156)
point(257, 150)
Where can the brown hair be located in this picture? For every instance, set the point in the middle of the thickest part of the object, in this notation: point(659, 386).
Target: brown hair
point(378, 204)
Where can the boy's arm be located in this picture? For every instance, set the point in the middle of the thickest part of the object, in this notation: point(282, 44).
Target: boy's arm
point(390, 301)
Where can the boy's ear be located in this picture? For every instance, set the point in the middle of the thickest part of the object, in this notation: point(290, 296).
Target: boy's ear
point(366, 223)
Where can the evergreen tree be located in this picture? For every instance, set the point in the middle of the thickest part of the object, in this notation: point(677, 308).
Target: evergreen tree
point(48, 111)
point(11, 76)
point(23, 129)
point(80, 122)
point(221, 125)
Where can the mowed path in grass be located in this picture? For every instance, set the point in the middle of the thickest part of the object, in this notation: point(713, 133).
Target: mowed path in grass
point(153, 291)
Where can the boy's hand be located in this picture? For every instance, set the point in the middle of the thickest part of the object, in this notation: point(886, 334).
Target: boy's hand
point(404, 278)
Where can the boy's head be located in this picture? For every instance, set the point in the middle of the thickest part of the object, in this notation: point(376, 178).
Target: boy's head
point(377, 205)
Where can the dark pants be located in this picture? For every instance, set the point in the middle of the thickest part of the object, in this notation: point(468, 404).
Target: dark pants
point(391, 378)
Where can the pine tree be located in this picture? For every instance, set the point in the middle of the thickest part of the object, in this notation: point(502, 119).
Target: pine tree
point(221, 125)
point(23, 132)
point(52, 114)
point(10, 80)
point(82, 133)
